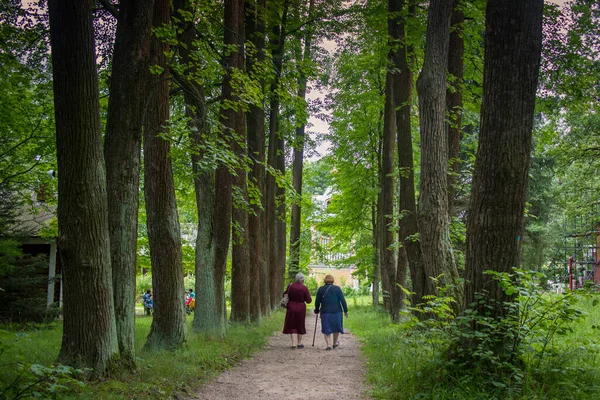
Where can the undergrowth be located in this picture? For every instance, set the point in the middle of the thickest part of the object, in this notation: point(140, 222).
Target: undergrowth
point(28, 354)
point(555, 339)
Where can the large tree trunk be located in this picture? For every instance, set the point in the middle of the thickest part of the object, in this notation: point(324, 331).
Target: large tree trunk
point(168, 323)
point(513, 39)
point(122, 144)
point(436, 247)
point(276, 146)
point(255, 121)
point(299, 154)
point(208, 314)
point(454, 99)
point(84, 244)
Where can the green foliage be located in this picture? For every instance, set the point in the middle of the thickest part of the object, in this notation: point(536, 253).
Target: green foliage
point(39, 381)
point(160, 374)
point(10, 251)
point(143, 283)
point(27, 356)
point(548, 347)
point(23, 294)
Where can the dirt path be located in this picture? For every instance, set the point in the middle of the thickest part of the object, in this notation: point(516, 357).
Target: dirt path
point(278, 372)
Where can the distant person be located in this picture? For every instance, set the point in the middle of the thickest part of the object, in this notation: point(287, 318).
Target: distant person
point(190, 301)
point(330, 303)
point(295, 316)
point(148, 302)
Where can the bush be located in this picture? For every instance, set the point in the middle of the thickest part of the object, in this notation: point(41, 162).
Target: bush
point(545, 347)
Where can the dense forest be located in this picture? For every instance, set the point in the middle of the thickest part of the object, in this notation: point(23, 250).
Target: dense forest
point(181, 141)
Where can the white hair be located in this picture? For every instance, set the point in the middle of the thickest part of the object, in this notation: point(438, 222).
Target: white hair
point(299, 277)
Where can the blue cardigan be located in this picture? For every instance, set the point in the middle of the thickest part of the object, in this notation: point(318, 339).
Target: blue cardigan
point(332, 302)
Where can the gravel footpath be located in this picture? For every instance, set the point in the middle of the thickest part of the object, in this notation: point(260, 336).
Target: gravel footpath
point(278, 372)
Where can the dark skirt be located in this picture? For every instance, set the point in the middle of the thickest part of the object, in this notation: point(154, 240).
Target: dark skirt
point(332, 323)
point(295, 318)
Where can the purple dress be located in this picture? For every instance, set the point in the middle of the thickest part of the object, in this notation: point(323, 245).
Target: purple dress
point(296, 309)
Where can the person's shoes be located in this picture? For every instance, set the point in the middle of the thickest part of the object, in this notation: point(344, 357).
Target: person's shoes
point(336, 344)
point(300, 346)
point(293, 347)
point(329, 348)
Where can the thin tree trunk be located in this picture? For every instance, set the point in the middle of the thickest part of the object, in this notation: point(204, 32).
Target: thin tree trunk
point(232, 122)
point(454, 99)
point(122, 145)
point(513, 39)
point(401, 92)
point(240, 266)
point(83, 237)
point(276, 237)
point(168, 322)
point(208, 316)
point(386, 229)
point(376, 269)
point(407, 205)
point(255, 120)
point(299, 155)
point(436, 247)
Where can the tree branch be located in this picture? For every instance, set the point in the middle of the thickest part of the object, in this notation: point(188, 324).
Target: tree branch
point(110, 7)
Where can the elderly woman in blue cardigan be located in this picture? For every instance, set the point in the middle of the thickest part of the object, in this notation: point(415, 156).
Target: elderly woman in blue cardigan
point(330, 303)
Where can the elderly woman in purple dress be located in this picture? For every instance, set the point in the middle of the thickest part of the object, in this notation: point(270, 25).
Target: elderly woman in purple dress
point(330, 303)
point(295, 316)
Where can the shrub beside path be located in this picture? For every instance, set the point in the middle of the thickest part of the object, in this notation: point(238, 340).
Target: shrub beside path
point(278, 372)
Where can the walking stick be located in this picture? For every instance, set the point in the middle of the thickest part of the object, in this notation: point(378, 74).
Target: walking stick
point(315, 334)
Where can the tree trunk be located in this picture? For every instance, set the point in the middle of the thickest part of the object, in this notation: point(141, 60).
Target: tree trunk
point(387, 229)
point(299, 154)
point(436, 247)
point(84, 244)
point(513, 39)
point(407, 205)
point(122, 145)
point(168, 323)
point(255, 121)
point(376, 269)
point(240, 253)
point(402, 93)
point(275, 235)
point(208, 315)
point(232, 123)
point(454, 99)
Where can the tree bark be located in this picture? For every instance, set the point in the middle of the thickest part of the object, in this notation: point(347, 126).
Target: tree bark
point(513, 39)
point(208, 315)
point(168, 323)
point(407, 199)
point(255, 121)
point(276, 147)
point(122, 145)
point(387, 228)
point(83, 238)
point(376, 268)
point(454, 102)
point(232, 123)
point(436, 247)
point(299, 154)
point(240, 269)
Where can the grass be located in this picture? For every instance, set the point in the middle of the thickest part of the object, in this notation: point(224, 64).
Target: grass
point(159, 375)
point(405, 363)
